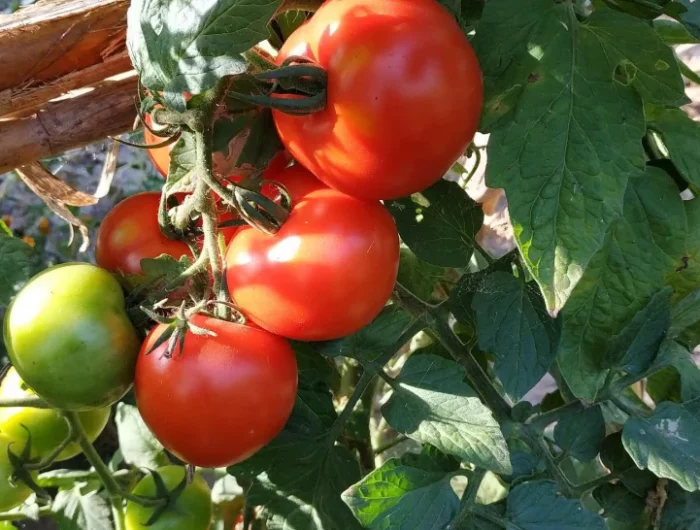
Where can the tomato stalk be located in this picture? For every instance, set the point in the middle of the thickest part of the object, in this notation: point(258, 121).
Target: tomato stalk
point(49, 459)
point(438, 327)
point(468, 501)
point(114, 490)
point(30, 402)
point(18, 516)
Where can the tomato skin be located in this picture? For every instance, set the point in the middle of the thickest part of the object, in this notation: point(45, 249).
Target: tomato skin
point(130, 233)
point(223, 399)
point(404, 96)
point(327, 273)
point(47, 426)
point(10, 495)
point(192, 509)
point(69, 338)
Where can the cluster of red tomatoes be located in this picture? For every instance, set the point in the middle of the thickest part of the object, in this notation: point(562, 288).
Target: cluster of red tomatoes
point(392, 67)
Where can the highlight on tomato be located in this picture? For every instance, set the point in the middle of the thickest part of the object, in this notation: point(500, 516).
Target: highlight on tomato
point(221, 398)
point(130, 233)
point(328, 271)
point(47, 427)
point(69, 337)
point(404, 96)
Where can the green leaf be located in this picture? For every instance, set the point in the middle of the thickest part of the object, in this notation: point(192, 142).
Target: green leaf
point(164, 268)
point(182, 159)
point(440, 224)
point(410, 493)
point(418, 276)
point(565, 135)
point(263, 142)
point(668, 442)
point(536, 505)
point(673, 33)
point(225, 130)
point(665, 385)
point(686, 277)
point(15, 264)
point(432, 404)
point(513, 324)
point(681, 136)
point(618, 502)
point(299, 476)
point(681, 511)
point(137, 443)
point(188, 45)
point(676, 356)
point(687, 13)
point(621, 278)
point(685, 313)
point(581, 434)
point(372, 344)
point(634, 349)
point(75, 510)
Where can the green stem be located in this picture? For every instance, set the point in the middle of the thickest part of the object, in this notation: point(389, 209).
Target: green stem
point(543, 420)
point(114, 490)
point(586, 486)
point(620, 403)
point(49, 459)
point(299, 5)
point(365, 380)
point(18, 516)
point(537, 444)
point(401, 438)
point(29, 402)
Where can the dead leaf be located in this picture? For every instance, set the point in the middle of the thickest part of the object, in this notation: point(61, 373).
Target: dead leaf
point(108, 170)
point(44, 184)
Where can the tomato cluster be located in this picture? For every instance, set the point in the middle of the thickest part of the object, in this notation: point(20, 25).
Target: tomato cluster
point(223, 389)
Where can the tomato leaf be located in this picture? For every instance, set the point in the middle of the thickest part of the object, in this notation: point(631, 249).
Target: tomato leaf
point(432, 404)
point(513, 324)
point(373, 343)
point(138, 445)
point(536, 505)
point(681, 511)
point(681, 136)
point(674, 355)
point(16, 264)
point(619, 503)
point(581, 434)
point(182, 159)
point(673, 33)
point(418, 276)
point(668, 442)
point(565, 133)
point(413, 491)
point(685, 313)
point(686, 277)
point(188, 45)
point(638, 251)
point(299, 476)
point(687, 13)
point(75, 510)
point(263, 142)
point(439, 225)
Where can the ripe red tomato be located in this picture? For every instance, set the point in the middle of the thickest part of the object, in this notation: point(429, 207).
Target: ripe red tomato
point(223, 398)
point(130, 233)
point(328, 271)
point(404, 96)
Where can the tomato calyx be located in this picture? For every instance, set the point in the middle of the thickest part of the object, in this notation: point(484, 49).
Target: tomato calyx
point(22, 466)
point(299, 86)
point(168, 497)
point(177, 328)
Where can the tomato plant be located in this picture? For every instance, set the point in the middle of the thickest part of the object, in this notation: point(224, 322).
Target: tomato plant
point(69, 338)
point(130, 233)
point(531, 364)
point(230, 364)
point(47, 428)
point(191, 510)
point(393, 72)
point(329, 236)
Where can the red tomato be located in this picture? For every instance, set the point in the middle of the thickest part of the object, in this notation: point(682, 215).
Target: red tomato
point(130, 233)
point(223, 398)
point(404, 96)
point(328, 271)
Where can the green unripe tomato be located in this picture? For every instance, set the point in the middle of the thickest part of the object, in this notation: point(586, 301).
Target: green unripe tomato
point(47, 427)
point(11, 493)
point(68, 336)
point(192, 509)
